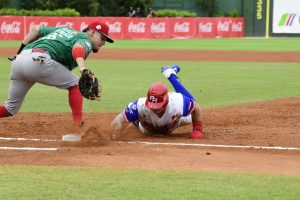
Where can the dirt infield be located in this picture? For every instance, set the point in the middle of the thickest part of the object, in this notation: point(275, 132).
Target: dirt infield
point(272, 123)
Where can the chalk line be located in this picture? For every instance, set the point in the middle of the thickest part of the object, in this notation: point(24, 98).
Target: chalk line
point(28, 139)
point(28, 149)
point(217, 146)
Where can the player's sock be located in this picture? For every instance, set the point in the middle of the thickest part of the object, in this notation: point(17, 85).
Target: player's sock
point(75, 102)
point(179, 87)
point(3, 112)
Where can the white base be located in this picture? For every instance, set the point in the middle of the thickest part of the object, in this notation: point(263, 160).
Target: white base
point(71, 138)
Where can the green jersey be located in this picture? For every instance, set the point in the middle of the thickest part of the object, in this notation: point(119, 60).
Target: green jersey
point(59, 43)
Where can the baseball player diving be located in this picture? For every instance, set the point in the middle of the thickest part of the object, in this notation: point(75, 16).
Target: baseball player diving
point(48, 55)
point(163, 111)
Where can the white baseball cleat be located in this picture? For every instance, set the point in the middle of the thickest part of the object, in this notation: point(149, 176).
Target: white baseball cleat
point(168, 70)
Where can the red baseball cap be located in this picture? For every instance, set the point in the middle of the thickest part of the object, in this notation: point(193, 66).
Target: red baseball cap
point(157, 96)
point(102, 28)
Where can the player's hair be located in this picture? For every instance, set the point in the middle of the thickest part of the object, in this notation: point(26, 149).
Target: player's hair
point(85, 30)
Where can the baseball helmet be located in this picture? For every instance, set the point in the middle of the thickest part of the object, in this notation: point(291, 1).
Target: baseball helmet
point(102, 28)
point(157, 96)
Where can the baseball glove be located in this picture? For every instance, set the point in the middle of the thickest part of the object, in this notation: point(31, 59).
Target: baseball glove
point(89, 85)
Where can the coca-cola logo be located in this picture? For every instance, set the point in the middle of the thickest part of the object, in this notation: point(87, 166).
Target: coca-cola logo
point(206, 28)
point(158, 28)
point(223, 26)
point(32, 24)
point(13, 27)
point(237, 27)
point(67, 24)
point(182, 28)
point(115, 27)
point(137, 28)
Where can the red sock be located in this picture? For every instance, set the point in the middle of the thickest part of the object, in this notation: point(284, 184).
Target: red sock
point(197, 126)
point(75, 102)
point(3, 112)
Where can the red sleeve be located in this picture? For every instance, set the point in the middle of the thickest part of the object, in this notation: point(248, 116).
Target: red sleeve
point(78, 51)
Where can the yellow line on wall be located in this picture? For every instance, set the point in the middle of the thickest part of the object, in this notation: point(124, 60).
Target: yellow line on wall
point(267, 18)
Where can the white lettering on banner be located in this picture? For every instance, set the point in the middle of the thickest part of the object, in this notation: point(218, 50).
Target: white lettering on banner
point(68, 24)
point(137, 28)
point(13, 27)
point(206, 28)
point(158, 28)
point(223, 26)
point(83, 25)
point(237, 27)
point(115, 27)
point(182, 28)
point(32, 24)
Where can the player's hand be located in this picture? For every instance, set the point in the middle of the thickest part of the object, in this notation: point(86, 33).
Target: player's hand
point(196, 135)
point(117, 125)
point(12, 58)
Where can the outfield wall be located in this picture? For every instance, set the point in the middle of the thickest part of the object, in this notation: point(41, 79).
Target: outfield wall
point(16, 27)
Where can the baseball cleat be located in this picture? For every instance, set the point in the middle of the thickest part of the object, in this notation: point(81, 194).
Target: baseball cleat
point(168, 70)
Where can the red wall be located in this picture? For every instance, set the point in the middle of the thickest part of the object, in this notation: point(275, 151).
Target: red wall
point(16, 27)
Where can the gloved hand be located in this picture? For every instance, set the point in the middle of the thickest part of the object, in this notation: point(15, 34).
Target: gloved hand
point(196, 135)
point(90, 87)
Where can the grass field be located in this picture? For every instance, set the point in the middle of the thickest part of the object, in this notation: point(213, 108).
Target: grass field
point(261, 44)
point(25, 182)
point(213, 84)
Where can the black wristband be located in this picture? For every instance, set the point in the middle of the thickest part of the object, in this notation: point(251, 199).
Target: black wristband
point(21, 48)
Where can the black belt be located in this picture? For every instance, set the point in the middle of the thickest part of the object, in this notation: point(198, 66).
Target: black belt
point(39, 50)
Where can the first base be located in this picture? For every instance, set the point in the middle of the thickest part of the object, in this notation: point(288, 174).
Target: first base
point(71, 138)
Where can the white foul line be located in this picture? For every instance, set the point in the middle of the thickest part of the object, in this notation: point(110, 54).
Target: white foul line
point(28, 139)
point(217, 146)
point(28, 149)
point(154, 143)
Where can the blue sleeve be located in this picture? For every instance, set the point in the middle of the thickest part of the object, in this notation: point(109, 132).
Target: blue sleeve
point(131, 112)
point(188, 105)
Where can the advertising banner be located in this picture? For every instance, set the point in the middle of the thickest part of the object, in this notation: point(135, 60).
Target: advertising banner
point(160, 28)
point(183, 27)
point(12, 28)
point(259, 21)
point(16, 27)
point(207, 27)
point(286, 16)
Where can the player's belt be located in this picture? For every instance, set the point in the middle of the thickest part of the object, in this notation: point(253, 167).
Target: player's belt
point(39, 50)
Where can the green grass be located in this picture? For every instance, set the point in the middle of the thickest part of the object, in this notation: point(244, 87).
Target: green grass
point(212, 84)
point(261, 44)
point(31, 182)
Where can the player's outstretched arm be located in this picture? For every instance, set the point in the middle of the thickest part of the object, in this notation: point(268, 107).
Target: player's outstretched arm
point(78, 54)
point(33, 35)
point(30, 37)
point(118, 122)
